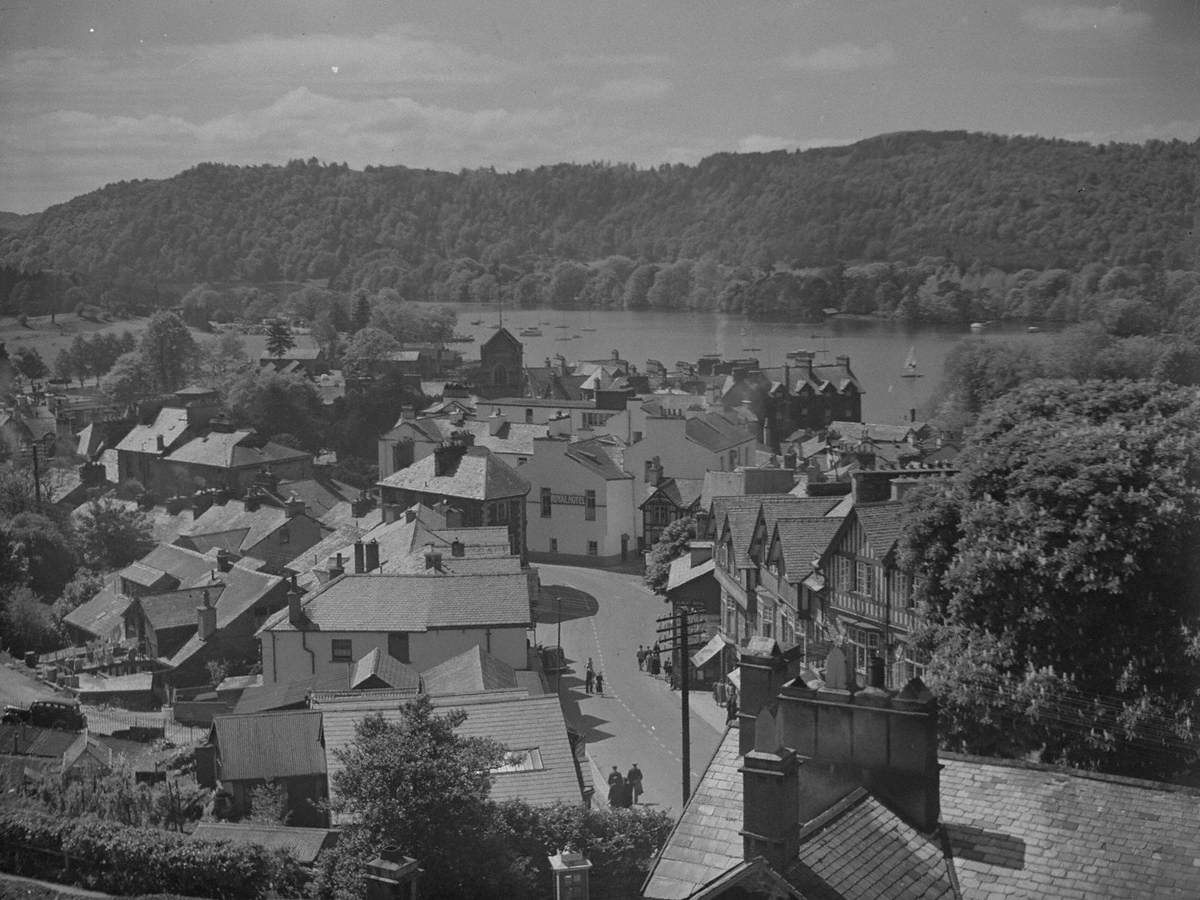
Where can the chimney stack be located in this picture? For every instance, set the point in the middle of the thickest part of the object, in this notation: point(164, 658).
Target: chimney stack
point(160, 443)
point(295, 615)
point(372, 551)
point(337, 567)
point(295, 507)
point(433, 558)
point(224, 560)
point(359, 558)
point(206, 618)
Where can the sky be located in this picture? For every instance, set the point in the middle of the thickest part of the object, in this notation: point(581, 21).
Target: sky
point(96, 91)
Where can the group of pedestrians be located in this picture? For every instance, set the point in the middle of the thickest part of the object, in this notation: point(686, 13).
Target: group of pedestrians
point(624, 790)
point(650, 659)
point(593, 681)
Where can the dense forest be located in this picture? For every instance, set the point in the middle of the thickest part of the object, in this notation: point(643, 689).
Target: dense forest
point(922, 225)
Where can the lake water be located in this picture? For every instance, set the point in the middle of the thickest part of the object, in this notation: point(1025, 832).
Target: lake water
point(877, 349)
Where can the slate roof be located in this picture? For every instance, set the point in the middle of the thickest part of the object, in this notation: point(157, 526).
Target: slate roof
point(270, 745)
point(706, 841)
point(145, 575)
point(682, 492)
point(28, 740)
point(742, 515)
point(594, 455)
point(1018, 829)
point(745, 481)
point(683, 572)
point(100, 615)
point(518, 723)
point(381, 602)
point(882, 524)
point(470, 672)
point(864, 851)
point(213, 449)
point(479, 475)
point(264, 697)
point(234, 527)
point(305, 844)
point(326, 500)
point(386, 668)
point(315, 557)
point(171, 422)
point(177, 608)
point(716, 431)
point(801, 540)
point(879, 431)
point(836, 375)
point(180, 562)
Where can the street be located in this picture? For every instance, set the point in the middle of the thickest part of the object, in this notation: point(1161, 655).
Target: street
point(605, 616)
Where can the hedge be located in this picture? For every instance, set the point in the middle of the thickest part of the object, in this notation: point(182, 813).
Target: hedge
point(120, 859)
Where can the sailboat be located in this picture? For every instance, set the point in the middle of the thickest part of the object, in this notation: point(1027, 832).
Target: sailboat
point(910, 365)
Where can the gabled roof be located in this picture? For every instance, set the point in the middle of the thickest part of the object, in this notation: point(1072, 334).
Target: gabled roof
point(100, 615)
point(502, 335)
point(145, 575)
point(716, 431)
point(414, 603)
point(269, 745)
point(325, 498)
point(745, 481)
point(861, 849)
point(28, 740)
point(233, 527)
point(683, 572)
point(804, 539)
point(266, 697)
point(882, 523)
point(470, 672)
point(304, 844)
point(308, 563)
point(518, 723)
point(295, 353)
point(706, 841)
point(683, 493)
point(215, 449)
point(477, 475)
point(177, 608)
point(742, 514)
point(379, 666)
point(170, 423)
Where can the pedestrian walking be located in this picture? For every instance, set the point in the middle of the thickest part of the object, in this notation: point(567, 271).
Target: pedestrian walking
point(589, 677)
point(669, 669)
point(599, 682)
point(641, 658)
point(616, 788)
point(655, 650)
point(731, 708)
point(634, 780)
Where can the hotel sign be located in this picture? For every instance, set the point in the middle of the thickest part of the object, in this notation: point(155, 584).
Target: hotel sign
point(568, 499)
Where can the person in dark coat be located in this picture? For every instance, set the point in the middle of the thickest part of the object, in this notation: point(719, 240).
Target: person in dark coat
point(599, 682)
point(731, 708)
point(589, 677)
point(616, 788)
point(641, 658)
point(634, 780)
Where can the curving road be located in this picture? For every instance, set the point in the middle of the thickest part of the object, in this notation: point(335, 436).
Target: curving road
point(605, 616)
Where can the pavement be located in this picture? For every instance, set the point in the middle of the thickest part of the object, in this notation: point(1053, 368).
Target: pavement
point(605, 616)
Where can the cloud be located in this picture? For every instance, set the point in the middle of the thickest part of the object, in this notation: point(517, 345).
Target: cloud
point(842, 58)
point(1080, 81)
point(607, 60)
point(1076, 18)
point(632, 90)
point(764, 143)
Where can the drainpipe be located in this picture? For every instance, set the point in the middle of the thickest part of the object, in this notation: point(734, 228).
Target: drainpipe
point(307, 649)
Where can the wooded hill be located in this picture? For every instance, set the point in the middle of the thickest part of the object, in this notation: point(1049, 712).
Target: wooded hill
point(975, 201)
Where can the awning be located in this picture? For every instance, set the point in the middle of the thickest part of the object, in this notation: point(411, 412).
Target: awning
point(714, 646)
point(815, 582)
point(735, 678)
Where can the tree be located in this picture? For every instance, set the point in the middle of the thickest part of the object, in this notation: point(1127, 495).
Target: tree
point(112, 535)
point(279, 338)
point(417, 785)
point(26, 623)
point(130, 380)
point(30, 363)
point(672, 543)
point(42, 551)
point(276, 403)
point(1059, 569)
point(167, 350)
point(367, 350)
point(362, 311)
point(79, 590)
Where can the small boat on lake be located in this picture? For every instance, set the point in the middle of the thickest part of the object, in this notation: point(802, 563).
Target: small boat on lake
point(910, 365)
point(531, 332)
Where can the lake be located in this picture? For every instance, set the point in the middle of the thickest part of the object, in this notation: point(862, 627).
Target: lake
point(877, 349)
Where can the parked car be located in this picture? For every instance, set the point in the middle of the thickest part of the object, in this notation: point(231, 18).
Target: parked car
point(63, 715)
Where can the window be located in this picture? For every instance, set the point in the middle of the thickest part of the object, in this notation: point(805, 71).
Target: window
point(865, 644)
point(343, 650)
point(593, 548)
point(398, 646)
point(520, 761)
point(862, 577)
point(589, 505)
point(595, 419)
point(733, 460)
point(553, 545)
point(529, 417)
point(766, 618)
point(637, 436)
point(285, 536)
point(500, 513)
point(843, 569)
point(787, 630)
point(545, 503)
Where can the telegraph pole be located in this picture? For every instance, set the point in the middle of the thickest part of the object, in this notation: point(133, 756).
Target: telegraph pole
point(37, 478)
point(681, 638)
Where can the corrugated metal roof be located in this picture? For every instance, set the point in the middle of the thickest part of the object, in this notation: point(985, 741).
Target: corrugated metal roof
point(304, 843)
point(270, 745)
